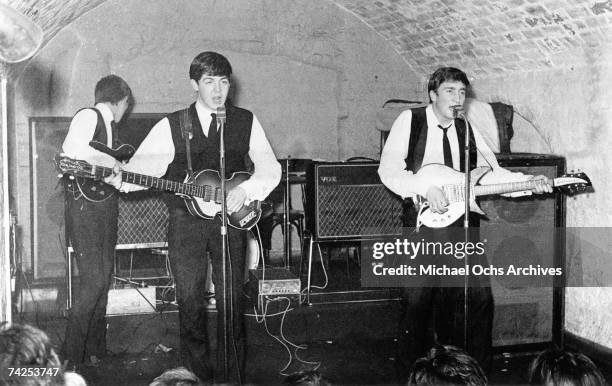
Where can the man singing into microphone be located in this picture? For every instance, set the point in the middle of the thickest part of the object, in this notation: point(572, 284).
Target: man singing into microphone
point(430, 135)
point(171, 150)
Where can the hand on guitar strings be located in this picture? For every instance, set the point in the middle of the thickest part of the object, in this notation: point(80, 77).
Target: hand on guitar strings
point(115, 178)
point(542, 184)
point(235, 199)
point(436, 199)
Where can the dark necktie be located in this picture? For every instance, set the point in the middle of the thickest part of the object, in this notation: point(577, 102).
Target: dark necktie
point(212, 129)
point(115, 134)
point(448, 157)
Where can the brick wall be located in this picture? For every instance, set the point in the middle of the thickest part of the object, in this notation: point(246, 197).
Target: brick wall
point(488, 37)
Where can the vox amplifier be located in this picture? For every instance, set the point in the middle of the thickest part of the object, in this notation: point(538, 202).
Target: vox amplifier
point(347, 201)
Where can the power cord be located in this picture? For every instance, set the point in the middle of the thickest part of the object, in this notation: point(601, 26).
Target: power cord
point(287, 344)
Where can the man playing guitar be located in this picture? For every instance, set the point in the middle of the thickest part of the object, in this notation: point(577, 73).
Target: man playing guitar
point(91, 217)
point(185, 143)
point(433, 135)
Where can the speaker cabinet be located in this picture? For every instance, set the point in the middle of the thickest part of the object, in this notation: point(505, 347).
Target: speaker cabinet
point(347, 201)
point(529, 315)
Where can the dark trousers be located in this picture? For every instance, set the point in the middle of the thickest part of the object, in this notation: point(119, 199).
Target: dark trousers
point(433, 312)
point(434, 315)
point(92, 229)
point(189, 239)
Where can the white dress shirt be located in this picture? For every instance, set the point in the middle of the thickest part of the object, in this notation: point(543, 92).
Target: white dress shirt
point(157, 152)
point(80, 133)
point(407, 184)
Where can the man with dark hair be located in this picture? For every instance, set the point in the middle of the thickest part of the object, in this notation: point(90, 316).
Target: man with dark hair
point(434, 135)
point(560, 367)
point(91, 217)
point(112, 89)
point(173, 150)
point(447, 365)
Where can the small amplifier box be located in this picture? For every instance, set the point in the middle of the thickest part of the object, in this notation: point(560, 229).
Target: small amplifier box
point(276, 281)
point(273, 283)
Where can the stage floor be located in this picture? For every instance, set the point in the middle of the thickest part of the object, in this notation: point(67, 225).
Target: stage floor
point(348, 331)
point(352, 343)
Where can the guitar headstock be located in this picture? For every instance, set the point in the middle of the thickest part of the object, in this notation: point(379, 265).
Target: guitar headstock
point(574, 183)
point(67, 165)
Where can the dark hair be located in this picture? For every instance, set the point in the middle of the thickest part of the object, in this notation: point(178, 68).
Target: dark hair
point(560, 367)
point(447, 365)
point(112, 88)
point(306, 378)
point(446, 74)
point(209, 63)
point(25, 346)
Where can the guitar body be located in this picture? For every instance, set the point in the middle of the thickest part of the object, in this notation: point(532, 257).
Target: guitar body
point(92, 190)
point(96, 190)
point(245, 218)
point(450, 181)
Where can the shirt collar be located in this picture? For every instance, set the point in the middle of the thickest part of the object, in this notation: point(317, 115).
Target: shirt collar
point(202, 110)
point(432, 119)
point(106, 112)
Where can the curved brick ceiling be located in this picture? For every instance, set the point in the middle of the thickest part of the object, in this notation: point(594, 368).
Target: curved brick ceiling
point(484, 37)
point(489, 37)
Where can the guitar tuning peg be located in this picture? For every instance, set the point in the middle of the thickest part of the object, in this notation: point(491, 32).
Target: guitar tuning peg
point(59, 175)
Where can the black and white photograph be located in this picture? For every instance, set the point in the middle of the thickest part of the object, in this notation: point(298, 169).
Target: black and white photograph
point(306, 192)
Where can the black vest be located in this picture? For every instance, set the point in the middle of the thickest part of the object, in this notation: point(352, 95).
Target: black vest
point(418, 141)
point(416, 152)
point(100, 133)
point(205, 150)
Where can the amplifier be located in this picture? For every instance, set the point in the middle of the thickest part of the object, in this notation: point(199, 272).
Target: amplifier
point(525, 315)
point(347, 201)
point(277, 282)
point(142, 221)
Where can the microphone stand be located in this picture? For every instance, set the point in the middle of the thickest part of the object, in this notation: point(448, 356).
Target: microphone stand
point(466, 226)
point(223, 232)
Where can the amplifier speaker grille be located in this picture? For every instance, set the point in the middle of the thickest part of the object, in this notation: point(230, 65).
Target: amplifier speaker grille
point(348, 201)
point(358, 210)
point(143, 219)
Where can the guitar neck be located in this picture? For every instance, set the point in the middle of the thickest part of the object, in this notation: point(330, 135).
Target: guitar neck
point(207, 192)
point(509, 187)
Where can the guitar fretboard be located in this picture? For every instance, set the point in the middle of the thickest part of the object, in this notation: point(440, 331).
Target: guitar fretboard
point(206, 192)
point(456, 192)
point(508, 187)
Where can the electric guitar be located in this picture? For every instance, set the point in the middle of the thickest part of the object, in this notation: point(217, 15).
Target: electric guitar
point(98, 190)
point(201, 192)
point(452, 184)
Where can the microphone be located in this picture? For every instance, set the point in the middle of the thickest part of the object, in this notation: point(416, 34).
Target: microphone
point(458, 111)
point(221, 115)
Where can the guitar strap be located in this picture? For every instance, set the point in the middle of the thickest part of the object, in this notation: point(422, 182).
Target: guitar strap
point(187, 134)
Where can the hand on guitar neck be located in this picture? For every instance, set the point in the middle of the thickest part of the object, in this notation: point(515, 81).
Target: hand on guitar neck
point(115, 178)
point(542, 184)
